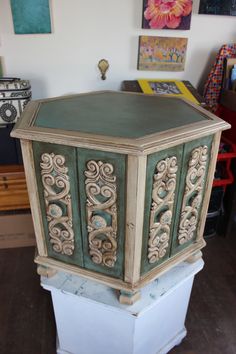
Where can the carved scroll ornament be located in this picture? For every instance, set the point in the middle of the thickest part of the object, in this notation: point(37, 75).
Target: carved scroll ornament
point(163, 194)
point(58, 202)
point(193, 193)
point(101, 212)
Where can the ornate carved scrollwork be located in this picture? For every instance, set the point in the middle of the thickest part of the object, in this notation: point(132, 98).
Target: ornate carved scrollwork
point(193, 193)
point(58, 202)
point(101, 212)
point(163, 193)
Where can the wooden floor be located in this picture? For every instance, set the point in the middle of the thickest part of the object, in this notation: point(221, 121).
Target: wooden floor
point(26, 316)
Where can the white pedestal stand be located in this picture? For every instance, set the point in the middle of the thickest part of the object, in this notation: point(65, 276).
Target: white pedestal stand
point(90, 319)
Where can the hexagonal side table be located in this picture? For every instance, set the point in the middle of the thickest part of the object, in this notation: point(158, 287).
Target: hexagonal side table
point(119, 183)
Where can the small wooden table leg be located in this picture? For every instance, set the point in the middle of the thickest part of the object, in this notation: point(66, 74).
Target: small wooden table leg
point(129, 297)
point(46, 271)
point(194, 257)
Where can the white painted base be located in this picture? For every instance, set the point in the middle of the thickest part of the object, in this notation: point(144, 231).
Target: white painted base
point(90, 319)
point(175, 341)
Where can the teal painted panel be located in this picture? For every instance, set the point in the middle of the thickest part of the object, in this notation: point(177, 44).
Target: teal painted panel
point(190, 198)
point(102, 198)
point(167, 164)
point(61, 193)
point(31, 16)
point(117, 114)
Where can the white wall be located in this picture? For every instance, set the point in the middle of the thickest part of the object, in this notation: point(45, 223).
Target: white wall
point(85, 31)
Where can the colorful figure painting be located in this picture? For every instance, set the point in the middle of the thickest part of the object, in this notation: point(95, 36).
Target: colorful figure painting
point(165, 88)
point(162, 53)
point(31, 16)
point(167, 14)
point(218, 7)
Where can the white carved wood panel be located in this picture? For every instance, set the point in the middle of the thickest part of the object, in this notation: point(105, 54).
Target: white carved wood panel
point(193, 194)
point(57, 199)
point(101, 208)
point(163, 195)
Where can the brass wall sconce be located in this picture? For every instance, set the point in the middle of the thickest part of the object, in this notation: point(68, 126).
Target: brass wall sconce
point(103, 66)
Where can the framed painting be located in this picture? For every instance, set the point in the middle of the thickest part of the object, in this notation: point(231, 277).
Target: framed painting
point(162, 14)
point(218, 7)
point(31, 16)
point(166, 87)
point(162, 53)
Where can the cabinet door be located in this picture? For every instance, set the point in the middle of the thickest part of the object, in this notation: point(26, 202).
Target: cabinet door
point(56, 173)
point(162, 182)
point(196, 158)
point(102, 203)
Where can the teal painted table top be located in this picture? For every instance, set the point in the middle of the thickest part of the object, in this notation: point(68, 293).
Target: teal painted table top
point(116, 114)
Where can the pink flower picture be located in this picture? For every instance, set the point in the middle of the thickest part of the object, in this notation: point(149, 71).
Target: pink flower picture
point(167, 14)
